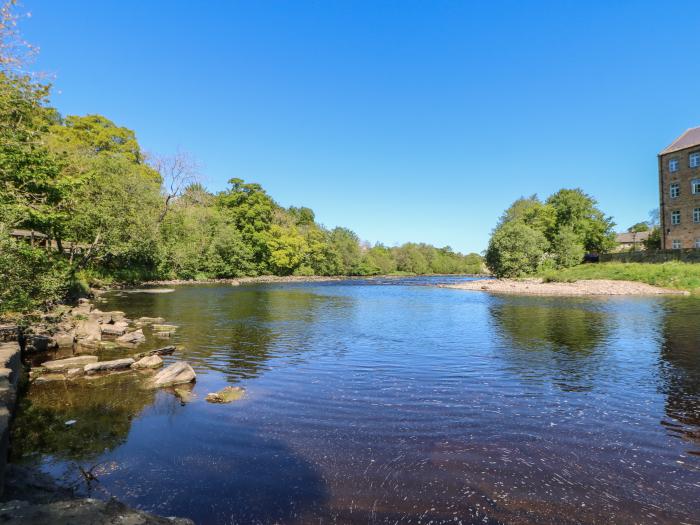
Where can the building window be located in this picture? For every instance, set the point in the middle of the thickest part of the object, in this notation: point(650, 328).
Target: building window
point(675, 217)
point(697, 243)
point(695, 186)
point(696, 214)
point(676, 244)
point(673, 165)
point(675, 190)
point(694, 159)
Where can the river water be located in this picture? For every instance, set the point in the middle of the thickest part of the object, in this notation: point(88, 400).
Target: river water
point(393, 401)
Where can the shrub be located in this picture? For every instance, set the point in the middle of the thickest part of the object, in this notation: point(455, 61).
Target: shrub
point(515, 249)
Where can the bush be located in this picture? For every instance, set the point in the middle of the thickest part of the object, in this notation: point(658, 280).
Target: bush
point(566, 248)
point(515, 249)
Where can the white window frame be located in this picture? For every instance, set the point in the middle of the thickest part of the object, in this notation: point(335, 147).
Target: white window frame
point(674, 190)
point(673, 165)
point(676, 244)
point(697, 243)
point(696, 215)
point(676, 217)
point(695, 186)
point(694, 159)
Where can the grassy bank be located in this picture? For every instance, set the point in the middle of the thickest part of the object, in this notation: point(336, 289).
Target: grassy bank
point(678, 275)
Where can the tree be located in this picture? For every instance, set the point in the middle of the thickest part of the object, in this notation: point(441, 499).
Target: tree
point(639, 227)
point(177, 172)
point(515, 249)
point(567, 248)
point(347, 244)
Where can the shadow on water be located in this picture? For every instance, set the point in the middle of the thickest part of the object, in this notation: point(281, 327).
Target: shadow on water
point(552, 339)
point(680, 369)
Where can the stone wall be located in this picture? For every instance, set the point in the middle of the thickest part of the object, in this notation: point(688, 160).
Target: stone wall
point(688, 231)
point(653, 256)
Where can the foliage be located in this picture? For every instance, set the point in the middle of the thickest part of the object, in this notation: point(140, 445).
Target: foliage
point(515, 249)
point(569, 224)
point(653, 242)
point(639, 227)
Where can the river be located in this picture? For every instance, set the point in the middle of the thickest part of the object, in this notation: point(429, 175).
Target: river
point(393, 401)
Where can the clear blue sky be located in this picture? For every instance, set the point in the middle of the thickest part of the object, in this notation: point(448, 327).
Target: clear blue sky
point(404, 121)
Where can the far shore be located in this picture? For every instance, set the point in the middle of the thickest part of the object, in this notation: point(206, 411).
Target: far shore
point(599, 287)
point(293, 279)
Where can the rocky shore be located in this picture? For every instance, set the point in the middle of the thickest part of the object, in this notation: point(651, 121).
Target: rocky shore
point(66, 345)
point(578, 288)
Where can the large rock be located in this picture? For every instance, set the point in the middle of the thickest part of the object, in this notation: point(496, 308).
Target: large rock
point(9, 332)
point(88, 330)
point(117, 329)
point(48, 378)
point(176, 374)
point(63, 339)
point(62, 365)
point(108, 366)
point(108, 317)
point(38, 343)
point(151, 361)
point(132, 338)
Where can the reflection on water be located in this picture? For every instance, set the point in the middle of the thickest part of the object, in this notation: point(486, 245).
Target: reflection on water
point(385, 401)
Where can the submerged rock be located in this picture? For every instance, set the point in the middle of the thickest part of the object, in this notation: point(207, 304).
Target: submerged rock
point(61, 365)
point(132, 338)
point(166, 350)
point(150, 320)
point(175, 374)
point(226, 395)
point(151, 361)
point(108, 366)
point(164, 327)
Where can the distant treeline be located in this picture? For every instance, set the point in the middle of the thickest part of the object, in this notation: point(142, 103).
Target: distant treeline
point(114, 213)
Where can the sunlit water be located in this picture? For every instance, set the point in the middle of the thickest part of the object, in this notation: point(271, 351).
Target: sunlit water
point(394, 402)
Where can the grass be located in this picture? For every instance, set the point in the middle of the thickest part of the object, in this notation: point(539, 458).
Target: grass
point(678, 275)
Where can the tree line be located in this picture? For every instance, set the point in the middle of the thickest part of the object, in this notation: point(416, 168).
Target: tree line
point(112, 212)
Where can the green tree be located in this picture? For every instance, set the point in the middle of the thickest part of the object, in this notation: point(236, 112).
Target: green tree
point(567, 248)
point(515, 249)
point(639, 227)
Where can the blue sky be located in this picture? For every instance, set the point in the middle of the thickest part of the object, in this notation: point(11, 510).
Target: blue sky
point(403, 120)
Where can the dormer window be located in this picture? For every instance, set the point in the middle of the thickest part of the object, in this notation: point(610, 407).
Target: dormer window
point(694, 160)
point(673, 165)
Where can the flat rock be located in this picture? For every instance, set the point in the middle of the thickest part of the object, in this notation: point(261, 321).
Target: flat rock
point(116, 329)
point(61, 365)
point(74, 373)
point(48, 378)
point(150, 320)
point(164, 327)
point(151, 361)
point(175, 374)
point(226, 395)
point(88, 330)
point(132, 338)
point(108, 366)
point(166, 350)
point(63, 339)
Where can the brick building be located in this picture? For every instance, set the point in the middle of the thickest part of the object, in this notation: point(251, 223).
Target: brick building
point(679, 187)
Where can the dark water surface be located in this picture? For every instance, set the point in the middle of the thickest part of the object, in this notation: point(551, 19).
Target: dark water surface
point(391, 402)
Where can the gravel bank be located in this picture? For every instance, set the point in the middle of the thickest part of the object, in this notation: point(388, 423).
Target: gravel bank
point(583, 287)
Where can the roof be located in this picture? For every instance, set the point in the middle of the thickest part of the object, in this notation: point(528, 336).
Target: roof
point(690, 138)
point(27, 233)
point(629, 237)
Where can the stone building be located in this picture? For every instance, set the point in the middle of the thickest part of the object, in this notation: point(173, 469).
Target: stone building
point(679, 187)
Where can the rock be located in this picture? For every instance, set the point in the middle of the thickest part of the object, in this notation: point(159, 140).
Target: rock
point(47, 378)
point(75, 373)
point(62, 365)
point(116, 329)
point(132, 338)
point(108, 317)
point(63, 339)
point(166, 350)
point(107, 345)
point(108, 366)
point(183, 392)
point(162, 335)
point(8, 332)
point(150, 320)
point(38, 343)
point(226, 395)
point(175, 374)
point(151, 361)
point(88, 330)
point(164, 327)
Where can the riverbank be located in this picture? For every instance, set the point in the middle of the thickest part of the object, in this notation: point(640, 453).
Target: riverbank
point(59, 342)
point(599, 287)
point(674, 275)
